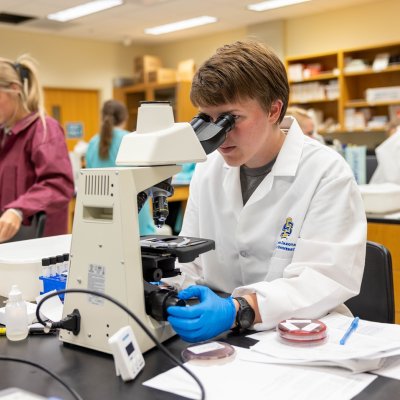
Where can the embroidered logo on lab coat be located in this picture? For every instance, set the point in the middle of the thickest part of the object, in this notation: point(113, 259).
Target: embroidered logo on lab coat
point(283, 244)
point(287, 228)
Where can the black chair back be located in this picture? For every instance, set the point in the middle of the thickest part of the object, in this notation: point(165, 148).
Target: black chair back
point(375, 302)
point(32, 231)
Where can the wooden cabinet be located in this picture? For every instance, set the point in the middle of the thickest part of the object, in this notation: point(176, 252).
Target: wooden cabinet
point(376, 67)
point(177, 93)
point(342, 87)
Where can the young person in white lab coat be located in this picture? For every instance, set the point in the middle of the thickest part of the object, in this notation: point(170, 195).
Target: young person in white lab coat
point(284, 211)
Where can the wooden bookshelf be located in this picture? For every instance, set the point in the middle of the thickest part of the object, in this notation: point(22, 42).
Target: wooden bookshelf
point(353, 72)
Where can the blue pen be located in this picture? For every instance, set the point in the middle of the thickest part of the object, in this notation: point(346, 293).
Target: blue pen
point(353, 326)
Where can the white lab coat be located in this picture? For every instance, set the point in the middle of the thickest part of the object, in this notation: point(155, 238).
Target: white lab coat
point(299, 241)
point(388, 156)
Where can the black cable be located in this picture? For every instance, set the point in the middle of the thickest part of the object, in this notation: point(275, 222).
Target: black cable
point(135, 318)
point(52, 374)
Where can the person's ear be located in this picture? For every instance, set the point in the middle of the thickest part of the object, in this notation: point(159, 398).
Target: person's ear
point(275, 111)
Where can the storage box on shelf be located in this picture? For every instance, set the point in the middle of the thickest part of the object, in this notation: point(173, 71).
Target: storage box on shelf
point(162, 75)
point(143, 65)
point(186, 70)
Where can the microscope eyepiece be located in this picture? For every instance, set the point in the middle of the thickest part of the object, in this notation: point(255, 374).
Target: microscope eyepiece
point(199, 120)
point(211, 135)
point(226, 122)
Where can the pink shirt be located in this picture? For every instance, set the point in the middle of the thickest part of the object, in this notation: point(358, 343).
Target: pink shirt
point(35, 172)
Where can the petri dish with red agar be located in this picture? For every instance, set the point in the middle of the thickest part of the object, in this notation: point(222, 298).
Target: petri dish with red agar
point(302, 331)
point(213, 350)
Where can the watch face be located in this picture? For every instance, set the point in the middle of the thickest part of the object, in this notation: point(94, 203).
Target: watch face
point(246, 318)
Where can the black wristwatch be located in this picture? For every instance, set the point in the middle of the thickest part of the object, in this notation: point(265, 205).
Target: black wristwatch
point(245, 315)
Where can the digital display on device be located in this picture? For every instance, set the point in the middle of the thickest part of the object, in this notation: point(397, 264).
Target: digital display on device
point(130, 349)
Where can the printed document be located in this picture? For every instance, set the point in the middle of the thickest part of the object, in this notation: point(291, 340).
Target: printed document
point(237, 379)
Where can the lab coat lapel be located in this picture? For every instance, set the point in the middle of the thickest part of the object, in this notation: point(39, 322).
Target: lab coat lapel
point(287, 161)
point(289, 157)
point(232, 189)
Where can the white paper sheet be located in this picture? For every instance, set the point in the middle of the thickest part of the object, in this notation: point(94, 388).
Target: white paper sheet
point(368, 328)
point(239, 379)
point(355, 366)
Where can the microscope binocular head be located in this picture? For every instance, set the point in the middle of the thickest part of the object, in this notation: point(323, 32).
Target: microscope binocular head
point(212, 134)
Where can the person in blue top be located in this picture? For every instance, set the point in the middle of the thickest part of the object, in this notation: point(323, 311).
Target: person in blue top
point(103, 149)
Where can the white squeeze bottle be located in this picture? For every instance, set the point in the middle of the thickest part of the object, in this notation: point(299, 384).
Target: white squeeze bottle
point(16, 315)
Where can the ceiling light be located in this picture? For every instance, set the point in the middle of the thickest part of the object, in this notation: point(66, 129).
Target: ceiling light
point(180, 25)
point(271, 4)
point(84, 9)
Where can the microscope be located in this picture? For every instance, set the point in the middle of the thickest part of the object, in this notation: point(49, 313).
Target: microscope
point(108, 255)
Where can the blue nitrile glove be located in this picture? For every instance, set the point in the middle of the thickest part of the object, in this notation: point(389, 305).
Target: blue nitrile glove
point(203, 321)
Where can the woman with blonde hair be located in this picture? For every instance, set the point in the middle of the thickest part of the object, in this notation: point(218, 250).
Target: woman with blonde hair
point(35, 170)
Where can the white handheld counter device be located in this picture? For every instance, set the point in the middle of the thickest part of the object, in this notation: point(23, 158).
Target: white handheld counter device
point(128, 358)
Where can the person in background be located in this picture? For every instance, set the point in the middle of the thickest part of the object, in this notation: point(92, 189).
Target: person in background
point(284, 211)
point(388, 158)
point(306, 122)
point(103, 149)
point(35, 170)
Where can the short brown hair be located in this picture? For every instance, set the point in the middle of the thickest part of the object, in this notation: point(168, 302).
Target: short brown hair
point(244, 69)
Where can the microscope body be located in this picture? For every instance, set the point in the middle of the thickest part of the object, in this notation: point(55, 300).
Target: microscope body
point(106, 253)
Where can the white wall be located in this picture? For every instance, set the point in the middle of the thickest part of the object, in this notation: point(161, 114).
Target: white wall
point(198, 49)
point(370, 24)
point(201, 48)
point(271, 33)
